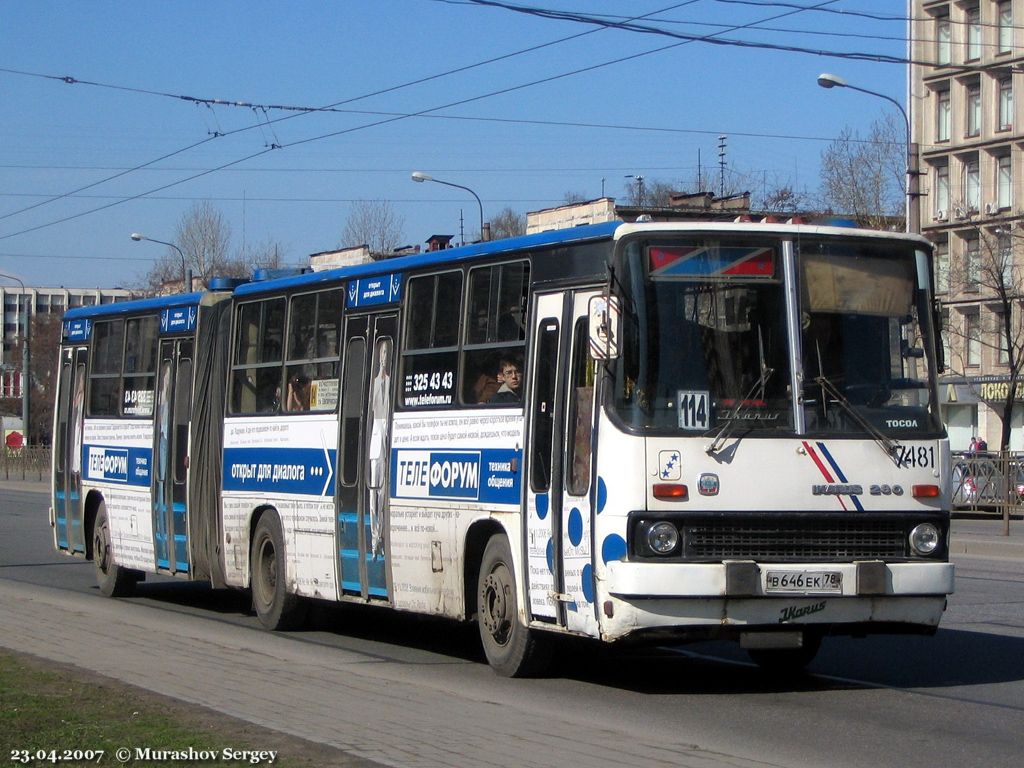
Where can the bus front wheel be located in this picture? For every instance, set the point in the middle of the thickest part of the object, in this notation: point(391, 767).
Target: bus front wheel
point(512, 649)
point(276, 607)
point(113, 580)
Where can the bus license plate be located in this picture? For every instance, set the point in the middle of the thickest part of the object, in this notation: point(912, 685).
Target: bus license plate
point(829, 582)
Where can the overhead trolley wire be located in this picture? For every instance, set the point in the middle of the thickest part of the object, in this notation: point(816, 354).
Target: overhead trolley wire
point(397, 118)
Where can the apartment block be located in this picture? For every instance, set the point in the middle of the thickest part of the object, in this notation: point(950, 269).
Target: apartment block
point(965, 80)
point(40, 301)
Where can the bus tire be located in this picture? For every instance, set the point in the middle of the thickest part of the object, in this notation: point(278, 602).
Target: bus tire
point(787, 661)
point(113, 580)
point(512, 649)
point(277, 608)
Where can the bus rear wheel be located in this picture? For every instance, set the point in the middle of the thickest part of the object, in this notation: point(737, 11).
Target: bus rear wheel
point(113, 580)
point(511, 648)
point(277, 608)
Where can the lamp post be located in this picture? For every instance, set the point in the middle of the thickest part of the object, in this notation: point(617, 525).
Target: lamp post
point(827, 80)
point(420, 177)
point(186, 273)
point(24, 357)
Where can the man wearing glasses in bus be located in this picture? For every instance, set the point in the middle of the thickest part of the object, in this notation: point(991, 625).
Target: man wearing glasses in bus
point(511, 378)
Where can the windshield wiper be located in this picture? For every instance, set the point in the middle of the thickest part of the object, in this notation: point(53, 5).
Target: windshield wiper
point(886, 443)
point(744, 405)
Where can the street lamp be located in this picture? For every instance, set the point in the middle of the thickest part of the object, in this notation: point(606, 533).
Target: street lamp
point(24, 357)
point(186, 273)
point(420, 177)
point(827, 80)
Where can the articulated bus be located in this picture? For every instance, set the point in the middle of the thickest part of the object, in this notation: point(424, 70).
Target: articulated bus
point(654, 432)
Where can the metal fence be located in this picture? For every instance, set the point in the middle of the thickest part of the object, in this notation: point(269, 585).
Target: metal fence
point(25, 464)
point(988, 483)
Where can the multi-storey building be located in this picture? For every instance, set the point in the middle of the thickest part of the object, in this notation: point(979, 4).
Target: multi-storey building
point(40, 301)
point(967, 57)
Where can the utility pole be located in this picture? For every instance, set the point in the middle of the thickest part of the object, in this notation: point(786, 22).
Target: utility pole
point(721, 166)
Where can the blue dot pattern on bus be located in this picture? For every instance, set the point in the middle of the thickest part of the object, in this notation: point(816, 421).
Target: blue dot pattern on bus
point(551, 555)
point(602, 495)
point(575, 527)
point(588, 582)
point(613, 548)
point(542, 505)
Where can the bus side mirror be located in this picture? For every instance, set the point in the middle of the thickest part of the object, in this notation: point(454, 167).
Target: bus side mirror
point(605, 327)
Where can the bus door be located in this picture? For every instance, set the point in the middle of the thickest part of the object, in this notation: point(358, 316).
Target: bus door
point(67, 476)
point(365, 434)
point(559, 506)
point(172, 409)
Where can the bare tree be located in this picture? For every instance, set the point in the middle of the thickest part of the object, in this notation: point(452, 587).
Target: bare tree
point(373, 223)
point(204, 239)
point(42, 379)
point(574, 197)
point(507, 223)
point(865, 177)
point(989, 272)
point(783, 199)
point(265, 255)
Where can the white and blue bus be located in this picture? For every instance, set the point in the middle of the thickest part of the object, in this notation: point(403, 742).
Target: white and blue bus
point(650, 432)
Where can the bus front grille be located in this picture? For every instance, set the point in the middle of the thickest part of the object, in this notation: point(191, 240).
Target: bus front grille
point(816, 538)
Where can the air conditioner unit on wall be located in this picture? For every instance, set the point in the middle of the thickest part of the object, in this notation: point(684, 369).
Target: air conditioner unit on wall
point(991, 208)
point(941, 215)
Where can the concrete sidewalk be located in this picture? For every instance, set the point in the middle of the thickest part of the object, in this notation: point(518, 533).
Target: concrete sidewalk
point(984, 537)
point(977, 536)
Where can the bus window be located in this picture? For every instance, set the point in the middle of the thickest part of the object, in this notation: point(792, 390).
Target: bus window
point(544, 405)
point(311, 373)
point(352, 410)
point(430, 359)
point(581, 412)
point(495, 331)
point(105, 371)
point(140, 358)
point(256, 369)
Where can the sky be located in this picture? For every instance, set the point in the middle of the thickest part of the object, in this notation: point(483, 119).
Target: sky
point(96, 141)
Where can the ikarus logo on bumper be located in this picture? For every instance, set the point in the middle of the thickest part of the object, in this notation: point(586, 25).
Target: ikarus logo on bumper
point(437, 474)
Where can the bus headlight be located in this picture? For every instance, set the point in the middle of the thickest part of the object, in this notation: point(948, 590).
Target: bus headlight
point(924, 539)
point(663, 538)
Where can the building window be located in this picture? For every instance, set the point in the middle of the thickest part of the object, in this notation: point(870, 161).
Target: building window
point(973, 112)
point(1000, 332)
point(1004, 249)
point(973, 37)
point(1004, 181)
point(943, 40)
point(972, 185)
point(1005, 103)
point(944, 332)
point(942, 115)
point(942, 266)
point(972, 257)
point(972, 337)
point(941, 191)
point(1005, 26)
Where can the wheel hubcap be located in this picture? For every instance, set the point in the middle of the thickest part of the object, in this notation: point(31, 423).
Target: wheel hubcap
point(101, 550)
point(267, 570)
point(495, 606)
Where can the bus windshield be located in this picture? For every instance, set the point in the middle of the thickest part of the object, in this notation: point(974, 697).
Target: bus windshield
point(706, 351)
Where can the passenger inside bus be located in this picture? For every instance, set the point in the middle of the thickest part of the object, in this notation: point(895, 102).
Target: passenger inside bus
point(510, 376)
point(298, 393)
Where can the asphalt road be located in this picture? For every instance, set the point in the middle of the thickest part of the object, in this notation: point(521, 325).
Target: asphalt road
point(405, 691)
